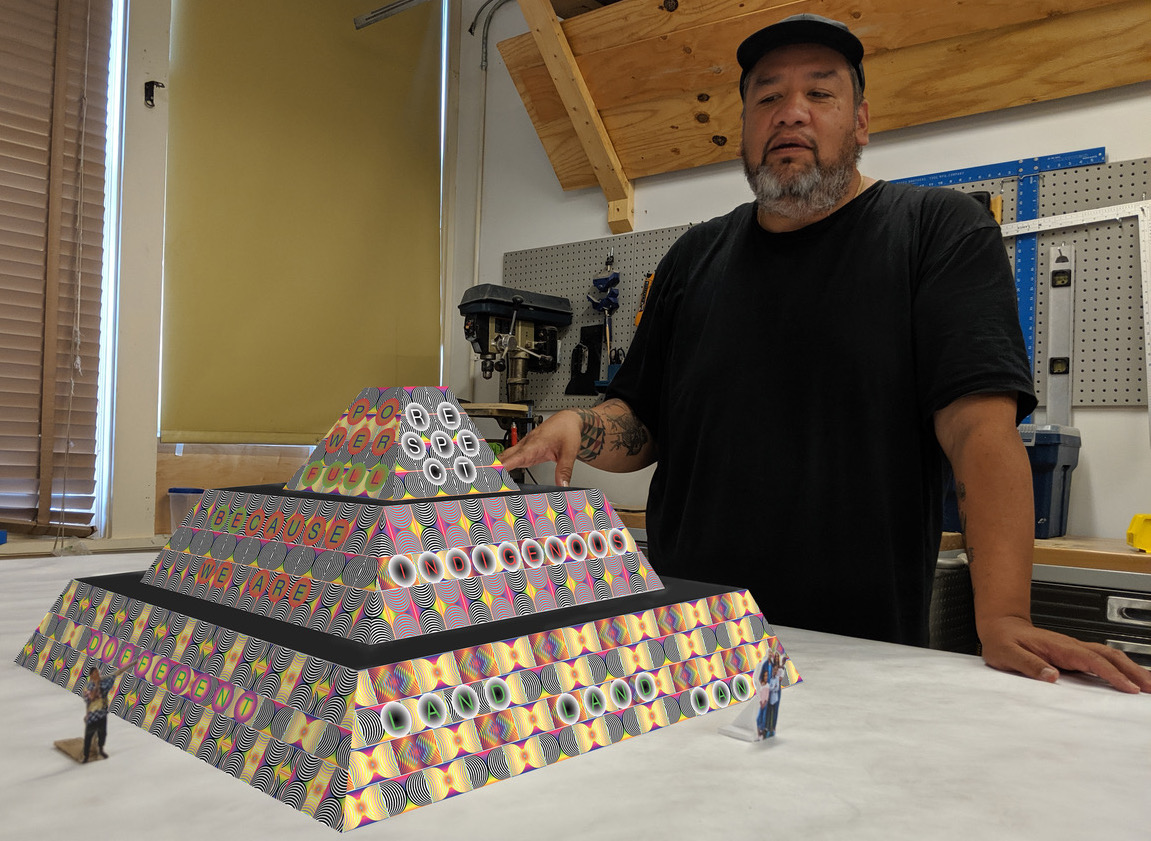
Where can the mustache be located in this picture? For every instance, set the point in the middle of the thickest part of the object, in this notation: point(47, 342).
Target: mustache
point(803, 143)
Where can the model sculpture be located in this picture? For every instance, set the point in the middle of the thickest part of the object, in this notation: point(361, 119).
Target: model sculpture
point(400, 623)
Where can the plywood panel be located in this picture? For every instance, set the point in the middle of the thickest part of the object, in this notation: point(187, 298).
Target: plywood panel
point(879, 24)
point(689, 58)
point(1073, 54)
point(665, 83)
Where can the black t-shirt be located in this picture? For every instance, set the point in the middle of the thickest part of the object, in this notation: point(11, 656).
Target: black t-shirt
point(790, 381)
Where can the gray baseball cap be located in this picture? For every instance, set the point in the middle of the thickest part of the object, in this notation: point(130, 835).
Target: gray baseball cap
point(800, 29)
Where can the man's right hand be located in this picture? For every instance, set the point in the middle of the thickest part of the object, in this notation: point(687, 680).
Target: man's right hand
point(555, 440)
point(608, 436)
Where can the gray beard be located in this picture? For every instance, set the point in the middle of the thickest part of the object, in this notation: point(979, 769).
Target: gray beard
point(811, 193)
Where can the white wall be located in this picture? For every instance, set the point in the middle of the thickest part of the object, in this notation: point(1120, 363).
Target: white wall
point(136, 364)
point(524, 207)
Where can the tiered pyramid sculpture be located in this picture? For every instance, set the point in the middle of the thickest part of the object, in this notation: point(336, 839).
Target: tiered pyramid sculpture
point(400, 624)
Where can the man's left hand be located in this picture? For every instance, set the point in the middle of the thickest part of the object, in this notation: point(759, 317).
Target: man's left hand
point(1013, 644)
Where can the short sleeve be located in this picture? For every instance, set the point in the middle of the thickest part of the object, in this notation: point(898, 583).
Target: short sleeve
point(965, 314)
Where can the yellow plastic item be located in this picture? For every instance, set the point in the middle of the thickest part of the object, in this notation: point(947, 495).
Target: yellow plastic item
point(1139, 532)
point(997, 208)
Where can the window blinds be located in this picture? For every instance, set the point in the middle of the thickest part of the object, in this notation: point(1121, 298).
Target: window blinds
point(53, 105)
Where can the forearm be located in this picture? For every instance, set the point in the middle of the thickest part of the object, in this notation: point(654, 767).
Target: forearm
point(134, 661)
point(993, 486)
point(612, 438)
point(993, 483)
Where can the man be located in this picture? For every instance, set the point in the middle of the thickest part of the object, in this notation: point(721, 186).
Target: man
point(804, 365)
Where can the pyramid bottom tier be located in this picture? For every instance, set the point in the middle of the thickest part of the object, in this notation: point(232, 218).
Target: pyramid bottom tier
point(352, 734)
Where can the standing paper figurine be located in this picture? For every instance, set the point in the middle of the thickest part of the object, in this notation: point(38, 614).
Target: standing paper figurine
point(768, 682)
point(756, 722)
point(774, 685)
point(96, 714)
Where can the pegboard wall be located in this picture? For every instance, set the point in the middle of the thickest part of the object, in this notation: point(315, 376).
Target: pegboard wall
point(1109, 367)
point(568, 270)
point(1108, 362)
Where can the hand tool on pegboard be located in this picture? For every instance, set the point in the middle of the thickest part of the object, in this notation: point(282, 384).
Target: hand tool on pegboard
point(647, 282)
point(608, 303)
point(585, 361)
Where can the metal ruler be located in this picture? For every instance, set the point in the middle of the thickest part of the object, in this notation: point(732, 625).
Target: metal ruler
point(1142, 212)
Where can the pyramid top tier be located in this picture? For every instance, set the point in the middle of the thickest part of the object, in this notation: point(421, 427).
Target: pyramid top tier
point(403, 444)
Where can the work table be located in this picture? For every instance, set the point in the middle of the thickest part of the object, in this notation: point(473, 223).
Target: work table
point(879, 741)
point(1105, 558)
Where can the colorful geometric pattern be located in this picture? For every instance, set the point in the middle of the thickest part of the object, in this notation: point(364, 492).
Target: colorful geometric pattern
point(403, 443)
point(375, 573)
point(351, 747)
point(400, 533)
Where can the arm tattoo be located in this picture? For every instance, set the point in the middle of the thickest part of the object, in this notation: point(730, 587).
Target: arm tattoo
point(628, 433)
point(961, 497)
point(617, 428)
point(592, 435)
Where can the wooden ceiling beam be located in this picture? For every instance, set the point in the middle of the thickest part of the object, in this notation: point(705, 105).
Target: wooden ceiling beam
point(581, 110)
point(670, 102)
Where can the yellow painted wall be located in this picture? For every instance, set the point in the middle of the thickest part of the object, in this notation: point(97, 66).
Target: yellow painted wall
point(302, 224)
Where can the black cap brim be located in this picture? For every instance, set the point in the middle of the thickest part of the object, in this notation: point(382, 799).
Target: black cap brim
point(800, 29)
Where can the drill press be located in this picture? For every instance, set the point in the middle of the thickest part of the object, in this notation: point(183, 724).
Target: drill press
point(514, 332)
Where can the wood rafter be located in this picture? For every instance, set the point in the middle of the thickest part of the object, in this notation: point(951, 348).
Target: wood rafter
point(589, 129)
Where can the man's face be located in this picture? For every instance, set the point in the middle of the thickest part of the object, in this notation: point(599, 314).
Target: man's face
point(802, 133)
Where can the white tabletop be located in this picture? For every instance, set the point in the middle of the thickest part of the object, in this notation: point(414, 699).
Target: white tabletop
point(879, 741)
